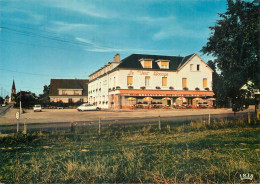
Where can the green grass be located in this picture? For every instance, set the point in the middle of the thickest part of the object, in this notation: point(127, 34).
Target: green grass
point(199, 152)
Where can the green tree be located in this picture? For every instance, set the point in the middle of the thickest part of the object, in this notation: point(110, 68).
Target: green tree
point(44, 98)
point(1, 100)
point(234, 43)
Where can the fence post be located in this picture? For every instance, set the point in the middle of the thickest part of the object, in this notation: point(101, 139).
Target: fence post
point(249, 118)
point(209, 118)
point(159, 123)
point(257, 114)
point(99, 127)
point(25, 128)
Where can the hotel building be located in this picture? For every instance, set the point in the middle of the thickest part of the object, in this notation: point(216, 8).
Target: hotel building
point(152, 79)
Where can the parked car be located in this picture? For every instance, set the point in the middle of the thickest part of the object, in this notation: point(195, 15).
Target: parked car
point(88, 107)
point(3, 105)
point(37, 108)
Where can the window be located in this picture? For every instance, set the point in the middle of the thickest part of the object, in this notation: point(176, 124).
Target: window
point(184, 82)
point(77, 92)
point(64, 92)
point(147, 64)
point(105, 82)
point(147, 81)
point(164, 81)
point(129, 80)
point(191, 67)
point(198, 67)
point(164, 64)
point(205, 82)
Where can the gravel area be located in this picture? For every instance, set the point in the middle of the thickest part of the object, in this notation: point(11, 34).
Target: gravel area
point(70, 115)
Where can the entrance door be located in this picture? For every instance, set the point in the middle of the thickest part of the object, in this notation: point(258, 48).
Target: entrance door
point(169, 102)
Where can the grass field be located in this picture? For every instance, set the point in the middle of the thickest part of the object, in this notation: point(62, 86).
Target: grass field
point(199, 152)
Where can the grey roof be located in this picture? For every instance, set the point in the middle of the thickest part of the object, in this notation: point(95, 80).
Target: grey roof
point(68, 84)
point(132, 61)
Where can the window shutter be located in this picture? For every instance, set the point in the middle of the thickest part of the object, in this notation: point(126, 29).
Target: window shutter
point(205, 81)
point(184, 82)
point(130, 80)
point(164, 81)
point(147, 64)
point(164, 64)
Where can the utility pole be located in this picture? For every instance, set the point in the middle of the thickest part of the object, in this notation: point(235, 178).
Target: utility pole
point(20, 101)
point(1, 92)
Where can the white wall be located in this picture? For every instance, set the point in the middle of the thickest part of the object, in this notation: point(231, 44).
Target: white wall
point(139, 78)
point(174, 79)
point(195, 78)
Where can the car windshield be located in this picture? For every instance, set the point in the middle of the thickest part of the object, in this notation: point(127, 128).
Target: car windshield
point(86, 105)
point(37, 106)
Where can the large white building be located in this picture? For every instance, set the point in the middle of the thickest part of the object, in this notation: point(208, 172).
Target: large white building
point(165, 79)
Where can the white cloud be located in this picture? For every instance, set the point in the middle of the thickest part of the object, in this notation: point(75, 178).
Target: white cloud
point(127, 50)
point(177, 30)
point(34, 18)
point(155, 19)
point(60, 26)
point(85, 41)
point(96, 47)
point(83, 7)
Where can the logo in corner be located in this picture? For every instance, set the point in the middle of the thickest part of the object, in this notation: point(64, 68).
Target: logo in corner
point(246, 176)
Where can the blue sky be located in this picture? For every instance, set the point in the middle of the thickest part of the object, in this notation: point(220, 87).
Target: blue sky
point(45, 39)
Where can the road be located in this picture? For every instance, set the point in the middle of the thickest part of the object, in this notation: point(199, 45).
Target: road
point(3, 110)
point(53, 119)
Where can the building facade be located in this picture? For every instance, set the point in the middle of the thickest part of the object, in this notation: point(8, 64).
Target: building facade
point(68, 90)
point(150, 79)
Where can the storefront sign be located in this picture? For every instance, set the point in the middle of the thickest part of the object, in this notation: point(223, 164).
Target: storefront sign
point(143, 72)
point(155, 73)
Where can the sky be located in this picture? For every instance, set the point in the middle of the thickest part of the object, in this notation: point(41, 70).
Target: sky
point(66, 39)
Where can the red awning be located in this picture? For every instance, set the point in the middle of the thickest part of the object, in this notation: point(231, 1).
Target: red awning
point(126, 92)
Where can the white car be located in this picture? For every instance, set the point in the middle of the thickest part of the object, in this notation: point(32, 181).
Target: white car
point(37, 108)
point(3, 105)
point(88, 107)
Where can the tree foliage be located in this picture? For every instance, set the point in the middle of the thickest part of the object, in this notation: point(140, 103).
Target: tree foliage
point(1, 100)
point(44, 98)
point(234, 43)
point(27, 98)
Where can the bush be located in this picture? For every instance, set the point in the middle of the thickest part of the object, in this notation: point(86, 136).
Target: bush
point(18, 138)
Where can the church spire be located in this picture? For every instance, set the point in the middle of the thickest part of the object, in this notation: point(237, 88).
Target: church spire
point(13, 86)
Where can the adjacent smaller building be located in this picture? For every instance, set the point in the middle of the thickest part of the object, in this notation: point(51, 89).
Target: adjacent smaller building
point(69, 90)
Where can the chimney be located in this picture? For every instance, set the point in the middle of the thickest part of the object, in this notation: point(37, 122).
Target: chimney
point(117, 58)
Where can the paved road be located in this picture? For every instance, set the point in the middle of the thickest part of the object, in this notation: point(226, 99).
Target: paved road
point(5, 109)
point(119, 121)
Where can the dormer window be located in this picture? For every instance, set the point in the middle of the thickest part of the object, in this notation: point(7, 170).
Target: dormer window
point(146, 63)
point(163, 64)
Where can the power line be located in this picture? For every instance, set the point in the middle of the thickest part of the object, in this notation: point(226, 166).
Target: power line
point(28, 73)
point(54, 38)
point(33, 45)
point(27, 33)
